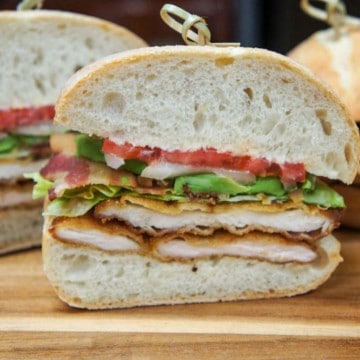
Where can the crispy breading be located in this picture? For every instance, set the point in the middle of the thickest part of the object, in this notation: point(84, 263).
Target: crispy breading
point(150, 208)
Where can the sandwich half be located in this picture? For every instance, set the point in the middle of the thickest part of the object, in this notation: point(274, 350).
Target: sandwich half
point(40, 50)
point(193, 175)
point(336, 61)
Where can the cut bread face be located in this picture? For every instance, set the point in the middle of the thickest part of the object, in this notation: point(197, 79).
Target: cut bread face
point(42, 48)
point(14, 237)
point(244, 101)
point(91, 278)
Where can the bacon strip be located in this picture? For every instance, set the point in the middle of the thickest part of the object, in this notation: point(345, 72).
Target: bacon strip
point(74, 171)
point(70, 172)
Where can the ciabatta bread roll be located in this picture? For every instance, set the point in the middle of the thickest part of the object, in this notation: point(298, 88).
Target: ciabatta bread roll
point(336, 61)
point(193, 176)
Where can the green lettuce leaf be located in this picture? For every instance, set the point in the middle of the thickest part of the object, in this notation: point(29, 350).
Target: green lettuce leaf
point(31, 140)
point(322, 195)
point(41, 187)
point(77, 202)
point(19, 146)
point(309, 183)
point(134, 166)
point(92, 191)
point(7, 144)
point(267, 185)
point(72, 207)
point(201, 183)
point(90, 147)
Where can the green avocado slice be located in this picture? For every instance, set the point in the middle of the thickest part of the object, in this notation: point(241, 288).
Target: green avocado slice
point(89, 148)
point(323, 196)
point(201, 183)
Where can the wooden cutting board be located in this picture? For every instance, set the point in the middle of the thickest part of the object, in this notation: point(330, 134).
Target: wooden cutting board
point(35, 324)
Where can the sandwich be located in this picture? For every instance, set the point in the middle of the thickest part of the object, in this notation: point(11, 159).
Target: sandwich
point(40, 50)
point(336, 61)
point(192, 174)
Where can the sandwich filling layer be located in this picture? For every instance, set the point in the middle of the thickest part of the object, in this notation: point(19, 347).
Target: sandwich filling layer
point(176, 246)
point(178, 206)
point(24, 133)
point(24, 142)
point(24, 148)
point(154, 217)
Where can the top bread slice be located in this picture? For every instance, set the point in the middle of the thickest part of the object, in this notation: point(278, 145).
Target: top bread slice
point(246, 101)
point(41, 49)
point(336, 61)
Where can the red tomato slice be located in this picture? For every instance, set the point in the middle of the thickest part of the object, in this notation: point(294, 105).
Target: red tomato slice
point(127, 151)
point(13, 118)
point(211, 158)
point(292, 172)
point(202, 157)
point(208, 158)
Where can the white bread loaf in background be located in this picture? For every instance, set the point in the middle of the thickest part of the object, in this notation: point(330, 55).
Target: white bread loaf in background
point(336, 61)
point(40, 49)
point(267, 106)
point(90, 278)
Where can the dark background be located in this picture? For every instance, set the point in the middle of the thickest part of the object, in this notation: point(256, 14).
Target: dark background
point(273, 24)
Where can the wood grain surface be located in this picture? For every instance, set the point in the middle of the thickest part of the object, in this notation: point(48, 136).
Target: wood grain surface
point(34, 323)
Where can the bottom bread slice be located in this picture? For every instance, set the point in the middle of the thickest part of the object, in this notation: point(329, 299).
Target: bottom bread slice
point(89, 278)
point(21, 228)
